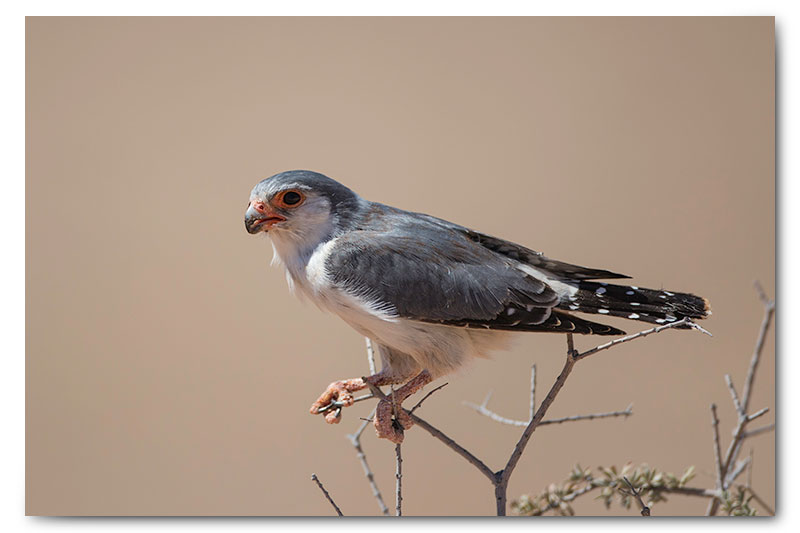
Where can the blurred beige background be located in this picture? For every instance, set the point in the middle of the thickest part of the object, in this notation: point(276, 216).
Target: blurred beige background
point(169, 371)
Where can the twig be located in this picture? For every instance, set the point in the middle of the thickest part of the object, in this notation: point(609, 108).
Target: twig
point(717, 452)
point(769, 312)
point(355, 440)
point(735, 397)
point(398, 506)
point(639, 335)
point(362, 427)
point(335, 404)
point(370, 356)
point(757, 414)
point(485, 411)
point(758, 431)
point(737, 471)
point(419, 403)
point(482, 409)
point(692, 491)
point(325, 492)
point(399, 485)
point(456, 447)
point(628, 411)
point(532, 409)
point(739, 438)
point(635, 493)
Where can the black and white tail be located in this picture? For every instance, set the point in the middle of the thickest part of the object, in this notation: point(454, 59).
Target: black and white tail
point(648, 305)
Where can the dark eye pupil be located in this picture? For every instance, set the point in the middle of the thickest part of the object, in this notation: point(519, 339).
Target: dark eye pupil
point(291, 198)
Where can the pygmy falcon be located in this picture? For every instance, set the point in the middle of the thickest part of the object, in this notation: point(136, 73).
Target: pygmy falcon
point(430, 294)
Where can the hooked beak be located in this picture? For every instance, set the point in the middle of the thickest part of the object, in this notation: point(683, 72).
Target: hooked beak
point(259, 217)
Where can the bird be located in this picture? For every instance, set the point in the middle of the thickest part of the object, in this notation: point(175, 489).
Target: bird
point(430, 294)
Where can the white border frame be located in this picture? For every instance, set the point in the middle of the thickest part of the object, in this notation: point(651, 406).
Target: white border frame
point(12, 446)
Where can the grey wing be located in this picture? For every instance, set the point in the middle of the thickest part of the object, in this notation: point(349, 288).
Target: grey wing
point(554, 269)
point(432, 274)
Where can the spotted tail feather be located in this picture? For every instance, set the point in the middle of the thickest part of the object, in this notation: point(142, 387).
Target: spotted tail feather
point(647, 305)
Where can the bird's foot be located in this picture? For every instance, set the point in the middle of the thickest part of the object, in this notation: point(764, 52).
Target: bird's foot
point(391, 423)
point(391, 420)
point(338, 394)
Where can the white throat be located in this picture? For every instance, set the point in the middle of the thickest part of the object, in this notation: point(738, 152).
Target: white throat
point(293, 248)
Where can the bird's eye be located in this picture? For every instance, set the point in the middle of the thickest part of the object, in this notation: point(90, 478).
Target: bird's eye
point(290, 199)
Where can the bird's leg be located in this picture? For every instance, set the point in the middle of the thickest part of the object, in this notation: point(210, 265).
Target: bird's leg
point(385, 426)
point(342, 391)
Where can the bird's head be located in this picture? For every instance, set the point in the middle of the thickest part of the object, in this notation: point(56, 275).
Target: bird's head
point(299, 205)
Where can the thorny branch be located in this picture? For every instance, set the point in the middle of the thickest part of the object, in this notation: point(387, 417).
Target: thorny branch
point(726, 465)
point(628, 411)
point(325, 492)
point(355, 440)
point(399, 481)
point(680, 323)
point(717, 452)
point(485, 411)
point(398, 508)
point(573, 356)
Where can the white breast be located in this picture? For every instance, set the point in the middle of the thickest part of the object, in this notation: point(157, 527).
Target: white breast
point(307, 276)
point(438, 348)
